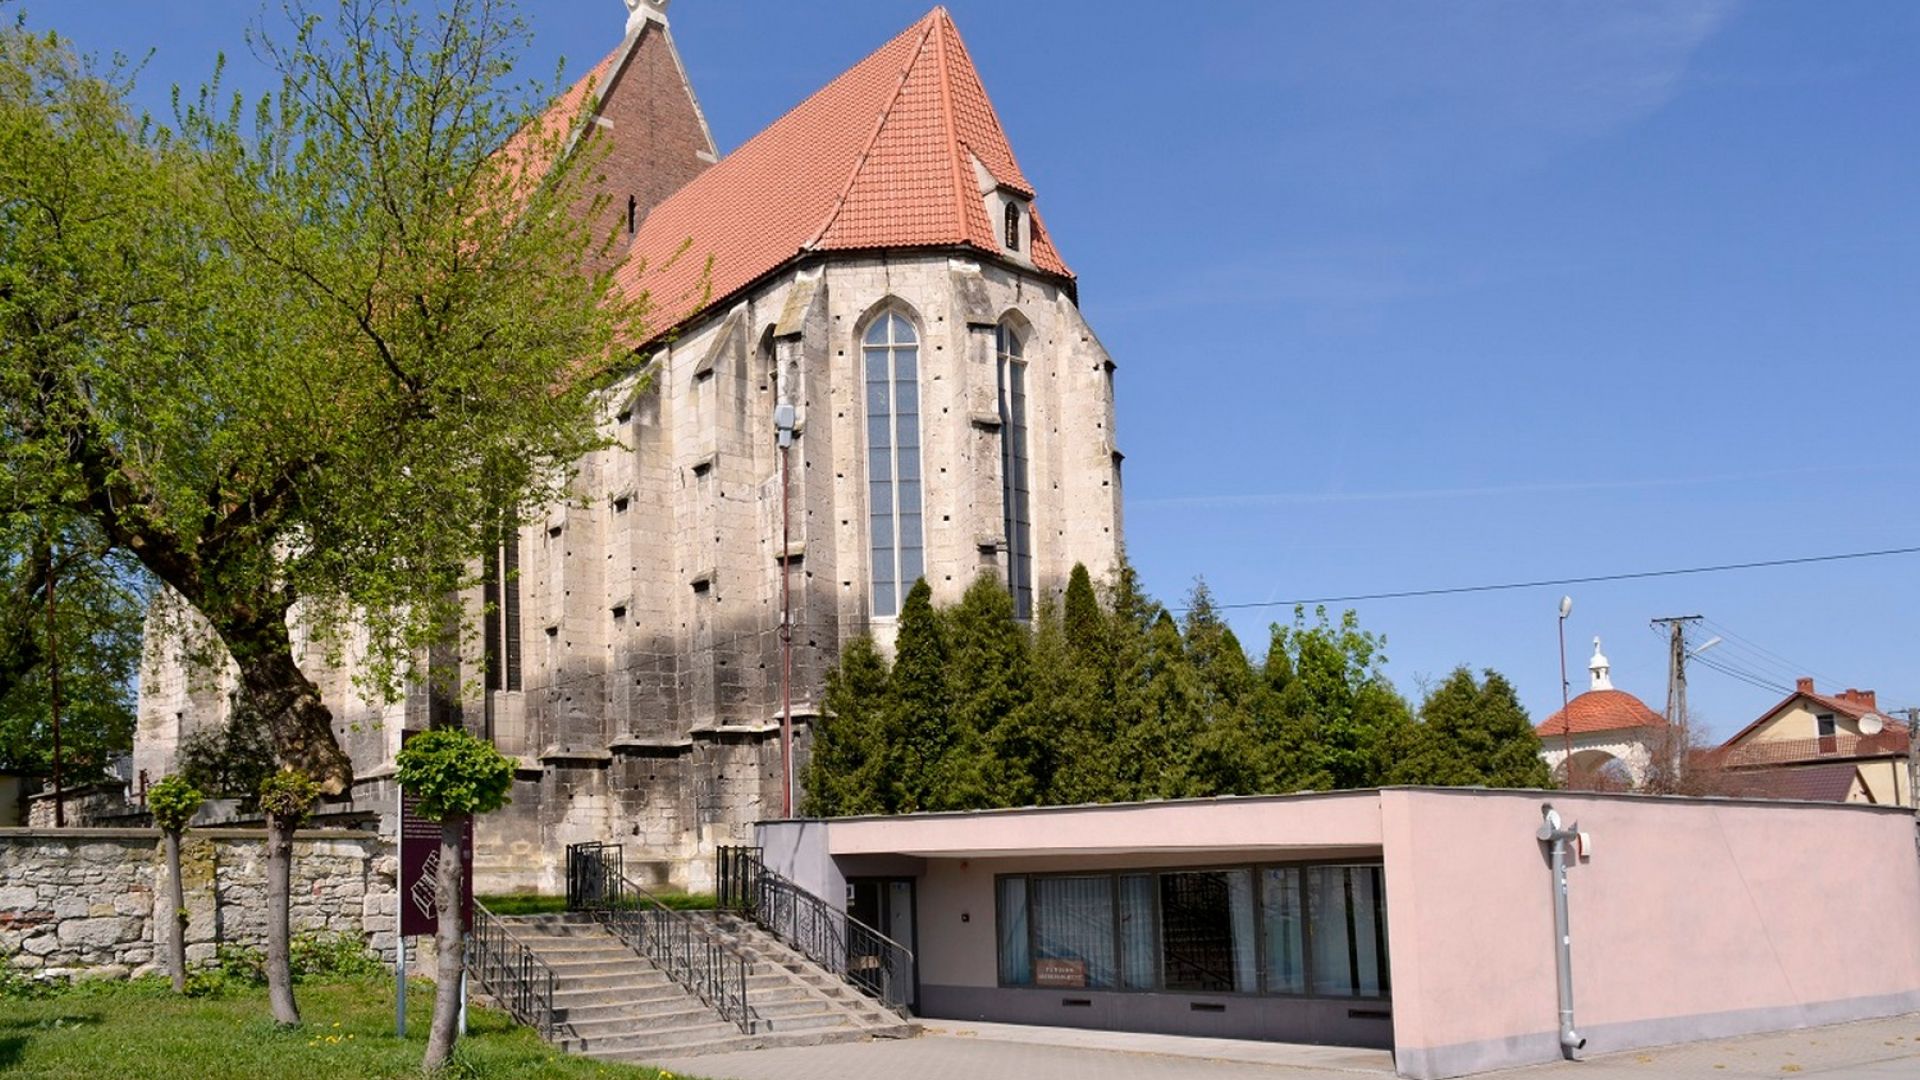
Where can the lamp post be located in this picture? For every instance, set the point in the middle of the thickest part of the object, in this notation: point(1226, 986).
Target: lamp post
point(783, 424)
point(1566, 720)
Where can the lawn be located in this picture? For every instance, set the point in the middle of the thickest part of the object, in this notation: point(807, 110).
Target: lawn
point(141, 1029)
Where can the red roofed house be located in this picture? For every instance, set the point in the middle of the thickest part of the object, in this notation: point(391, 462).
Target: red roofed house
point(1610, 732)
point(876, 263)
point(1823, 747)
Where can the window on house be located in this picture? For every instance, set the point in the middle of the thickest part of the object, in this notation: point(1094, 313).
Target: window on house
point(1206, 931)
point(893, 460)
point(1015, 496)
point(1013, 226)
point(500, 589)
point(1823, 724)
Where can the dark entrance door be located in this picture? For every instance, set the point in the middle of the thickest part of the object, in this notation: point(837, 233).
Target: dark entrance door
point(886, 904)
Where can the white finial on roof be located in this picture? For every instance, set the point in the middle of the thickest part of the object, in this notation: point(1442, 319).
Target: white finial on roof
point(1600, 669)
point(640, 11)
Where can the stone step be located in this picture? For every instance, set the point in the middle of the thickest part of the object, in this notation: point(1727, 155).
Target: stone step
point(572, 1001)
point(655, 1037)
point(757, 1041)
point(678, 1015)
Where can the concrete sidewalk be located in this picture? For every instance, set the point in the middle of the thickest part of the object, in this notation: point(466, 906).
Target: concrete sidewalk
point(1872, 1050)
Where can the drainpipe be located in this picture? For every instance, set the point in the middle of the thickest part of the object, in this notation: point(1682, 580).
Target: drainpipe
point(1557, 840)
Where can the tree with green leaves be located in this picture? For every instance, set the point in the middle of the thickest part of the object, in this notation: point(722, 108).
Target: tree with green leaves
point(987, 761)
point(296, 358)
point(853, 761)
point(1328, 724)
point(287, 799)
point(921, 710)
point(232, 760)
point(1469, 733)
point(1074, 693)
point(252, 350)
point(70, 613)
point(173, 802)
point(452, 776)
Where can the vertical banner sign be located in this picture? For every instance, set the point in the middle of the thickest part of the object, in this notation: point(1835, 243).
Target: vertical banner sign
point(420, 861)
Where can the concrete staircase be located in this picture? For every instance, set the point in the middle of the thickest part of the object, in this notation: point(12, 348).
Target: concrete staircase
point(612, 1003)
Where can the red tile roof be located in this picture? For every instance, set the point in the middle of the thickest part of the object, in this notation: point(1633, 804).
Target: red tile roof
point(881, 157)
point(1601, 710)
point(530, 149)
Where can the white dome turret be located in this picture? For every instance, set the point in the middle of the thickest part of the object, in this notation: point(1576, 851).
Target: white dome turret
point(1600, 669)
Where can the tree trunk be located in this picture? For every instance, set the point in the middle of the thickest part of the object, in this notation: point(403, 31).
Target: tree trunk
point(279, 959)
point(447, 943)
point(301, 724)
point(177, 916)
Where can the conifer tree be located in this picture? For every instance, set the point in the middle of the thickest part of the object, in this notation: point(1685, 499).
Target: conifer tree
point(1469, 733)
point(853, 767)
point(987, 676)
point(921, 715)
point(1077, 692)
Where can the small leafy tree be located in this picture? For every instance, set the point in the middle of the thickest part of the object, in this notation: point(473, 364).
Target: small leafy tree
point(173, 802)
point(452, 776)
point(286, 798)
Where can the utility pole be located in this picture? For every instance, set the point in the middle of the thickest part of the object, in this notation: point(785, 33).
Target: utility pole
point(1913, 758)
point(1677, 732)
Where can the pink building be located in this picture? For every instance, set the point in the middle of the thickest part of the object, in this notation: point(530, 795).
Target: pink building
point(1412, 918)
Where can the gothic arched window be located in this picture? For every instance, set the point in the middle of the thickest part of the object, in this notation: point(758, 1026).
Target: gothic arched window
point(892, 355)
point(1015, 511)
point(1013, 225)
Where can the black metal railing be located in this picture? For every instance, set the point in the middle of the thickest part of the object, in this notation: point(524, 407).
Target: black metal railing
point(510, 972)
point(871, 961)
point(689, 951)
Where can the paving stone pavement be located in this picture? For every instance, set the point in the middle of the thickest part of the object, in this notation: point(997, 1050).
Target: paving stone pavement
point(1869, 1050)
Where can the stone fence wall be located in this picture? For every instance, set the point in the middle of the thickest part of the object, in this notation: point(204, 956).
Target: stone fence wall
point(89, 901)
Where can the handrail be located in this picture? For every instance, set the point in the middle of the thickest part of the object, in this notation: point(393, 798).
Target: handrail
point(689, 952)
point(871, 961)
point(510, 971)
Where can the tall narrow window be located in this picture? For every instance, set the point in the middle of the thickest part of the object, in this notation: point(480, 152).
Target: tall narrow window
point(893, 460)
point(500, 588)
point(1013, 226)
point(1015, 514)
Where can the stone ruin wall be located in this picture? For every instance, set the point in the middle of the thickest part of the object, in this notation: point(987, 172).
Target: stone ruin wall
point(88, 902)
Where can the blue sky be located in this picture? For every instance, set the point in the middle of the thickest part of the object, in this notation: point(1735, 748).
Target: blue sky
point(1414, 295)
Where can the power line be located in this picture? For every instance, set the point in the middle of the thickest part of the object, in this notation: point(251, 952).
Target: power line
point(1589, 579)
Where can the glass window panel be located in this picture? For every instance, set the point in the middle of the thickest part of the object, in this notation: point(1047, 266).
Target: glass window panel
point(1346, 909)
point(879, 467)
point(1284, 924)
point(902, 330)
point(882, 524)
point(1016, 965)
point(909, 494)
point(877, 403)
point(1073, 927)
point(882, 597)
point(909, 529)
point(906, 365)
point(1136, 932)
point(908, 461)
point(1246, 971)
point(879, 437)
point(912, 565)
point(1200, 915)
point(906, 399)
point(877, 333)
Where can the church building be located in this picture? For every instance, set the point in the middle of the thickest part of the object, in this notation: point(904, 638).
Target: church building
point(867, 282)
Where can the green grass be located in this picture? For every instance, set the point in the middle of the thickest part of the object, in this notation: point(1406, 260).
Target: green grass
point(541, 904)
point(128, 1029)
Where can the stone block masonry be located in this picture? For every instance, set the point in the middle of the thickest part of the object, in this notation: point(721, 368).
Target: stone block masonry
point(89, 902)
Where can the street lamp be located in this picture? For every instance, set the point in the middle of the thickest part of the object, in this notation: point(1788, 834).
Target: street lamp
point(1566, 717)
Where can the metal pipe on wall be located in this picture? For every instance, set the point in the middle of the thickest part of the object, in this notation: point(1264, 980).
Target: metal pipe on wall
point(1557, 839)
